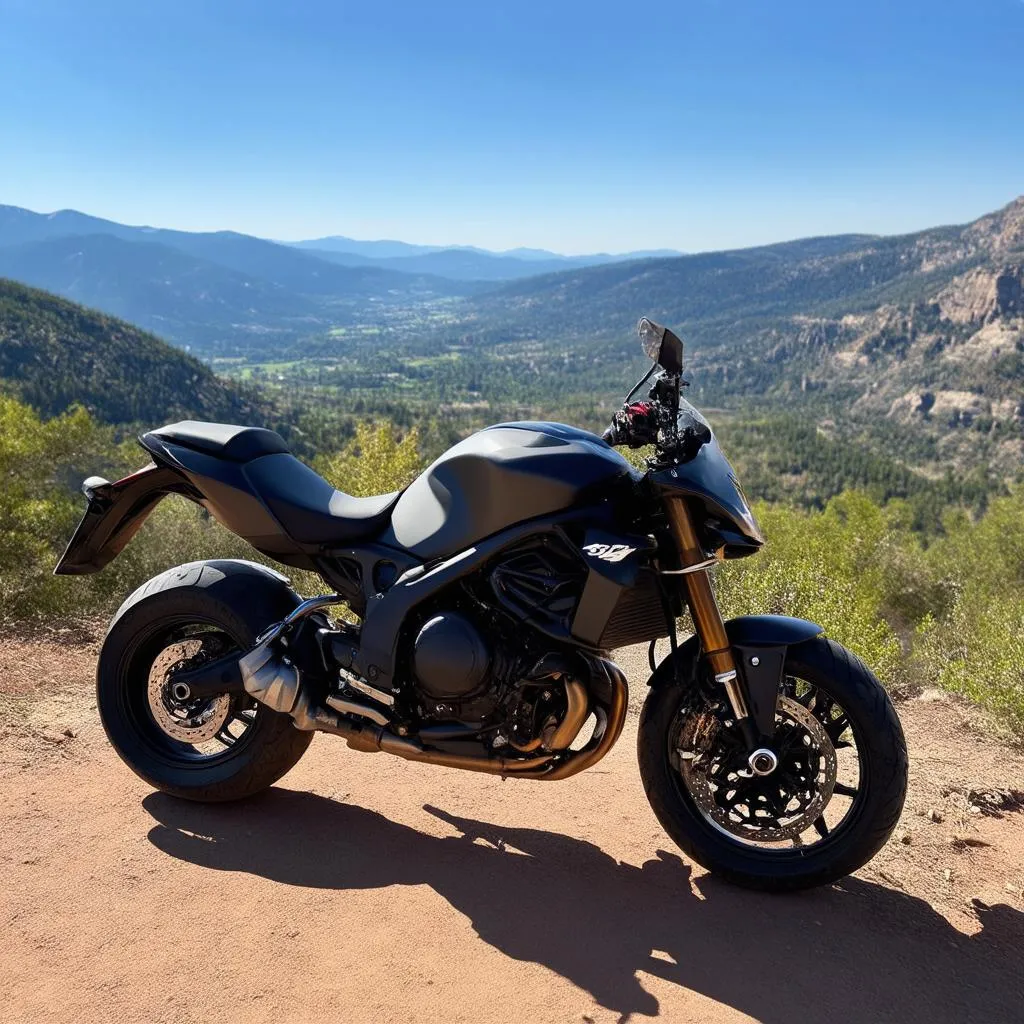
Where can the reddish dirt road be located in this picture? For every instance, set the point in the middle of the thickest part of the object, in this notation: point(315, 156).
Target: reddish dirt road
point(367, 889)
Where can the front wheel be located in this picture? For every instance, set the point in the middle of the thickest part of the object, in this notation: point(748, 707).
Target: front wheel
point(827, 806)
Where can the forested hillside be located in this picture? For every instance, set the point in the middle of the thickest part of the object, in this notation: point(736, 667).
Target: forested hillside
point(717, 292)
point(908, 351)
point(54, 353)
point(188, 300)
point(912, 344)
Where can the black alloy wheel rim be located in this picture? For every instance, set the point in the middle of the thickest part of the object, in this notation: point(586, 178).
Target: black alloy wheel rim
point(809, 801)
point(191, 733)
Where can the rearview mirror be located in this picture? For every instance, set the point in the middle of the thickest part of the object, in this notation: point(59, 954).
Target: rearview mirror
point(661, 345)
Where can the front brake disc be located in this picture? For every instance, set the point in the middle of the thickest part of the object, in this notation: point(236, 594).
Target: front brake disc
point(759, 809)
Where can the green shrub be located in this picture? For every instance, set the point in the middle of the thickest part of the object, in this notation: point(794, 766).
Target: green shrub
point(42, 463)
point(948, 612)
point(977, 650)
point(821, 566)
point(375, 461)
point(975, 644)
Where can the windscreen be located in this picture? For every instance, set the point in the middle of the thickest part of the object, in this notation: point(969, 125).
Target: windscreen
point(691, 417)
point(650, 335)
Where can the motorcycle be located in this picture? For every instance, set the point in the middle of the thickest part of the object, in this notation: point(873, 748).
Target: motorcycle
point(488, 595)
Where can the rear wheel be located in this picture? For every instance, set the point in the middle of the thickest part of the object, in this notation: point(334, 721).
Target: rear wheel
point(213, 749)
point(819, 808)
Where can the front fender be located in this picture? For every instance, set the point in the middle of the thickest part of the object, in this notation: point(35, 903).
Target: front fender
point(759, 645)
point(770, 630)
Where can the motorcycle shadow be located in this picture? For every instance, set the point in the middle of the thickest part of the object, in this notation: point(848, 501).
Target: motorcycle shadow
point(858, 950)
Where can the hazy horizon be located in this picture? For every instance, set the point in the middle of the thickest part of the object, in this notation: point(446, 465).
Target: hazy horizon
point(145, 225)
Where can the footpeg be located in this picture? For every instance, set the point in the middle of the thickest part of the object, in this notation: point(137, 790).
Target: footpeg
point(351, 707)
point(352, 680)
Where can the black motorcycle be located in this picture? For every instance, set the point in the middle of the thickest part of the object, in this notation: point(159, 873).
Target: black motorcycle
point(488, 595)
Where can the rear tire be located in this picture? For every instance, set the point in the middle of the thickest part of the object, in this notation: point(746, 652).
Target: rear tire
point(234, 602)
point(874, 813)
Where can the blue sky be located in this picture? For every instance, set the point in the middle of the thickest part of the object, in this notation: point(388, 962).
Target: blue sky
point(693, 124)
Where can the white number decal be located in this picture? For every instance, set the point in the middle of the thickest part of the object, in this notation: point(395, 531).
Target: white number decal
point(609, 552)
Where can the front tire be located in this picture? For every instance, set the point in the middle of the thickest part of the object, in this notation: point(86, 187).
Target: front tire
point(225, 748)
point(820, 676)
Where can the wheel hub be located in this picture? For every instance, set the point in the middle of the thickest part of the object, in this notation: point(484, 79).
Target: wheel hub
point(763, 761)
point(190, 721)
point(772, 795)
point(180, 692)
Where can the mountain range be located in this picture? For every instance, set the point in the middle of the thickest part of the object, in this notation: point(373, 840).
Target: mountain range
point(923, 331)
point(212, 291)
point(390, 248)
point(299, 266)
point(224, 292)
point(460, 262)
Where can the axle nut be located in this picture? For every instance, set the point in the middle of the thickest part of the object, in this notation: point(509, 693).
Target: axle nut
point(763, 761)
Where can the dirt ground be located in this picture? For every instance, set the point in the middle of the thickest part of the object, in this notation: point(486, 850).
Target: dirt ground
point(367, 889)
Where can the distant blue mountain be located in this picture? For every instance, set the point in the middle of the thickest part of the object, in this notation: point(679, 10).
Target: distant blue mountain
point(459, 262)
point(380, 250)
point(271, 262)
point(335, 266)
point(591, 260)
point(455, 264)
point(216, 290)
point(223, 291)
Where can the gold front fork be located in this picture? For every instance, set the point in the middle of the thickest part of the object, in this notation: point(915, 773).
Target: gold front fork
point(707, 619)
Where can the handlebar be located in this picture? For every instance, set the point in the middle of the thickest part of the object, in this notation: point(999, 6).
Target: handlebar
point(657, 421)
point(635, 424)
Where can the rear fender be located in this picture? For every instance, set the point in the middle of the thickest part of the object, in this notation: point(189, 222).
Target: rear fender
point(115, 513)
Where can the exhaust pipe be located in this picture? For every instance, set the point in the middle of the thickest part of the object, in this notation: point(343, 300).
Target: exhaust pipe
point(275, 681)
point(549, 767)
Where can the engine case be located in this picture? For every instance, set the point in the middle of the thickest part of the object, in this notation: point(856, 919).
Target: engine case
point(450, 658)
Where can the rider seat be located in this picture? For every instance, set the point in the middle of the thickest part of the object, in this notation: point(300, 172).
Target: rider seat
point(225, 440)
point(309, 509)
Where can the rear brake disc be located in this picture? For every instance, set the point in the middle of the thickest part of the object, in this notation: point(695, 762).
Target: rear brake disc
point(189, 721)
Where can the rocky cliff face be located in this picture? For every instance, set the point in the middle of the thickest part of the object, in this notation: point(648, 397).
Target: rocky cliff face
point(999, 232)
point(1010, 292)
point(984, 294)
point(947, 360)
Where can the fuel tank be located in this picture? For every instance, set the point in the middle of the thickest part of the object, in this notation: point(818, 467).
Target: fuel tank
point(498, 477)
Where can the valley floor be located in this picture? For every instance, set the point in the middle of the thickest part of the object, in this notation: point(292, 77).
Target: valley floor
point(364, 888)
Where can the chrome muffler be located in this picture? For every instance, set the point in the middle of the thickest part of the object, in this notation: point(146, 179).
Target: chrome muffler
point(271, 678)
